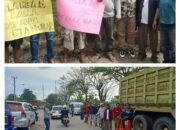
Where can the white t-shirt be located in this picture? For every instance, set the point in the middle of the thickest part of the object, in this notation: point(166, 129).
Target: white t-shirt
point(145, 12)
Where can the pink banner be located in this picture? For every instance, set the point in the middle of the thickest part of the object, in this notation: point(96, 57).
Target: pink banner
point(80, 15)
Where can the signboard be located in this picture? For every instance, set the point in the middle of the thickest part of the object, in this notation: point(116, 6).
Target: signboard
point(80, 15)
point(27, 17)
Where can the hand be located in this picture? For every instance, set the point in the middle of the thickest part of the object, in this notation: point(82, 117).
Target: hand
point(117, 19)
point(154, 25)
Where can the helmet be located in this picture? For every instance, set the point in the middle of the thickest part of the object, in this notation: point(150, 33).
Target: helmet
point(64, 106)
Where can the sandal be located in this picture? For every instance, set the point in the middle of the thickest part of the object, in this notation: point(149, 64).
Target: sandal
point(95, 58)
point(111, 57)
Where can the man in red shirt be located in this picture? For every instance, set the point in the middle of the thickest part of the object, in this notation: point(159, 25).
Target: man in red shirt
point(86, 111)
point(117, 111)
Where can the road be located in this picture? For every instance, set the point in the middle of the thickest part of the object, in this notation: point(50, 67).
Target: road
point(75, 124)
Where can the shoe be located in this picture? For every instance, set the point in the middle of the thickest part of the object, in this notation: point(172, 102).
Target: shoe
point(131, 53)
point(51, 61)
point(141, 57)
point(122, 53)
point(34, 61)
point(155, 60)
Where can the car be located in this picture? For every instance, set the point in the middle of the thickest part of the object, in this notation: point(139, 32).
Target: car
point(9, 119)
point(76, 107)
point(23, 113)
point(56, 111)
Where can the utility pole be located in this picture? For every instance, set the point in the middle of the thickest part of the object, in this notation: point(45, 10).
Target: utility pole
point(55, 86)
point(43, 91)
point(14, 85)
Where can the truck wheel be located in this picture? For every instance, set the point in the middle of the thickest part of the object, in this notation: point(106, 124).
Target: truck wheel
point(142, 122)
point(164, 123)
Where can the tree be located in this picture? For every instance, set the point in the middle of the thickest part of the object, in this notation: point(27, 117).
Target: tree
point(79, 79)
point(66, 88)
point(116, 72)
point(11, 97)
point(27, 96)
point(102, 83)
point(54, 99)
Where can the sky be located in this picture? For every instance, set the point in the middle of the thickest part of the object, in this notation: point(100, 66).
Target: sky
point(34, 78)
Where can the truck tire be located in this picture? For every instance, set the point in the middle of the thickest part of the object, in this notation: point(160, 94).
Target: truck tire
point(142, 122)
point(164, 123)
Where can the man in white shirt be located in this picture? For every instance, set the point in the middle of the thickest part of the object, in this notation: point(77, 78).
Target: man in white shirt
point(145, 13)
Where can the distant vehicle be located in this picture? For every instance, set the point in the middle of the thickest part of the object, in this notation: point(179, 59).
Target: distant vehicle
point(76, 107)
point(23, 113)
point(9, 119)
point(56, 111)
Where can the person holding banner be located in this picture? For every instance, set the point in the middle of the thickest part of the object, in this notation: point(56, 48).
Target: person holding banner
point(34, 40)
point(107, 27)
point(69, 36)
point(16, 45)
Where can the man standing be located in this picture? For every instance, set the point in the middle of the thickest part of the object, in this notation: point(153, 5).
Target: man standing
point(100, 113)
point(72, 110)
point(108, 117)
point(107, 29)
point(16, 45)
point(69, 36)
point(126, 28)
point(46, 117)
point(166, 13)
point(145, 13)
point(34, 40)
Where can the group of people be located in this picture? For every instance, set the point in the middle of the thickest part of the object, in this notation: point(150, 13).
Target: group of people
point(129, 17)
point(107, 117)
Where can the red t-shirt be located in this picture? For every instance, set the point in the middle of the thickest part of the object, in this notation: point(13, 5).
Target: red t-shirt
point(116, 112)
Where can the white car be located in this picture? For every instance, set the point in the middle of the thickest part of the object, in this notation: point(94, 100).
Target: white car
point(23, 114)
point(56, 111)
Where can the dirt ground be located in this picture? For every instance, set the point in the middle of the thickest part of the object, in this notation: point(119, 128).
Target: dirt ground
point(73, 56)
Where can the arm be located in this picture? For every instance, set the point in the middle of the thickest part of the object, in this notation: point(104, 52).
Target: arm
point(154, 26)
point(118, 8)
point(137, 10)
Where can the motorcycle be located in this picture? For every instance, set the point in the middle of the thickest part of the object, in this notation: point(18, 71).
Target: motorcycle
point(65, 120)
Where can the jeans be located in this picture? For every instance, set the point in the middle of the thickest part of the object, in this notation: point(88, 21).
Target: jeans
point(102, 123)
point(47, 123)
point(167, 34)
point(34, 40)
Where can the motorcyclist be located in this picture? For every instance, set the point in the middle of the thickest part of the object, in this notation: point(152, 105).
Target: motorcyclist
point(64, 115)
point(64, 112)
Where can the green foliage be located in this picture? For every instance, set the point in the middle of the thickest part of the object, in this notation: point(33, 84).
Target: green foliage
point(54, 99)
point(27, 96)
point(115, 72)
point(11, 97)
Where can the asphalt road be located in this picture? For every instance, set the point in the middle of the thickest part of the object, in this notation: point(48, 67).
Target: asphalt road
point(75, 124)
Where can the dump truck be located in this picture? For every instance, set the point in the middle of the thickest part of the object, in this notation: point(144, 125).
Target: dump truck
point(151, 93)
